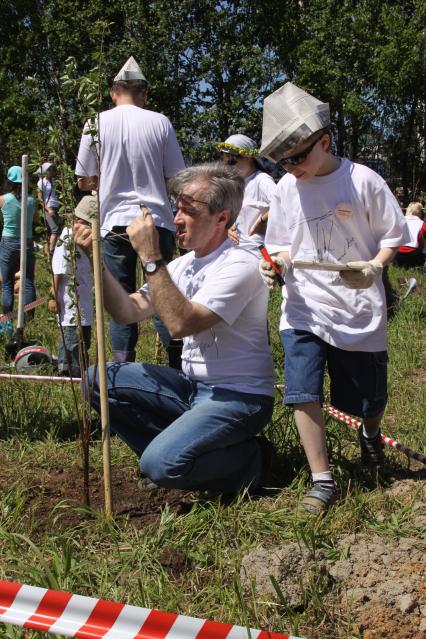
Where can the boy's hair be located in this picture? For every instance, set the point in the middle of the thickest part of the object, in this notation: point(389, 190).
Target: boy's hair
point(415, 208)
point(318, 134)
point(134, 87)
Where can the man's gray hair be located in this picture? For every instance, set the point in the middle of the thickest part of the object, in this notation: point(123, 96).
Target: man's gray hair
point(226, 186)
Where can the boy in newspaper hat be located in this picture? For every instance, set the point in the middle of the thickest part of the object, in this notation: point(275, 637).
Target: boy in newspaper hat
point(328, 209)
point(69, 357)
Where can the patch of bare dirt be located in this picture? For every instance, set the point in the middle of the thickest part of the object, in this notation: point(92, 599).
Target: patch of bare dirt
point(65, 485)
point(380, 583)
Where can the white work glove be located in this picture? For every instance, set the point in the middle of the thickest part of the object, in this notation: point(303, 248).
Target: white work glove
point(363, 275)
point(268, 274)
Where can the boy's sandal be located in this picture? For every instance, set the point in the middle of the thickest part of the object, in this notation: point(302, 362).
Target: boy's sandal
point(317, 500)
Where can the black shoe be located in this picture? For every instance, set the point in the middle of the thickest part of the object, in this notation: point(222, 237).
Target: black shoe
point(372, 454)
point(267, 451)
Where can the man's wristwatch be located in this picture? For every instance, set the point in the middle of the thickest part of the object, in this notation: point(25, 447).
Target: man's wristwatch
point(152, 266)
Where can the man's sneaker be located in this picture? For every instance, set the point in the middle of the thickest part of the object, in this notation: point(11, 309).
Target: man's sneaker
point(372, 454)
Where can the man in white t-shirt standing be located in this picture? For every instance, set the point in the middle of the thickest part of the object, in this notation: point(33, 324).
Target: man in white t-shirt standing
point(328, 209)
point(196, 428)
point(138, 153)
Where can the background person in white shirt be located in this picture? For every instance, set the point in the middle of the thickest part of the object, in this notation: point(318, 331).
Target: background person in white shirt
point(413, 253)
point(328, 209)
point(64, 300)
point(196, 428)
point(138, 153)
point(250, 226)
point(46, 194)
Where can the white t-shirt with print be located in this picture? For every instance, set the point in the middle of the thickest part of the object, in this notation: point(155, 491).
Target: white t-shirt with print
point(346, 216)
point(258, 193)
point(234, 353)
point(139, 151)
point(48, 193)
point(62, 266)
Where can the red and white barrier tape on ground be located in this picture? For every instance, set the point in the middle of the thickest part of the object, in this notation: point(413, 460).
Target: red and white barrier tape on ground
point(72, 615)
point(41, 378)
point(28, 307)
point(355, 424)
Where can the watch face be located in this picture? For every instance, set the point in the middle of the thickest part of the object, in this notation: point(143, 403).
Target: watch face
point(150, 267)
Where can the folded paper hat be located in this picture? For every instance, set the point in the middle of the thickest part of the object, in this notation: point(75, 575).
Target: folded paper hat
point(130, 71)
point(290, 116)
point(238, 144)
point(87, 208)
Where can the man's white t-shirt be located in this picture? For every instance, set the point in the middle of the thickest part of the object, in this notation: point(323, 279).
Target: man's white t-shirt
point(61, 265)
point(234, 353)
point(346, 216)
point(414, 224)
point(139, 151)
point(258, 193)
point(48, 193)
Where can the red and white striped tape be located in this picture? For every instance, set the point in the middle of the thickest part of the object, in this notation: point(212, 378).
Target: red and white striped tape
point(28, 307)
point(355, 424)
point(72, 615)
point(41, 378)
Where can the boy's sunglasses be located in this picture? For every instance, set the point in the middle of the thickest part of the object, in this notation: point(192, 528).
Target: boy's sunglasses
point(298, 158)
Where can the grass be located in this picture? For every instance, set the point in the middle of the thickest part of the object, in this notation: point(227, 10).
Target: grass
point(114, 559)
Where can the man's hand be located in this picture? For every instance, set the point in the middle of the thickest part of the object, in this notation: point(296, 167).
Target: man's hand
point(53, 307)
point(363, 275)
point(233, 235)
point(144, 236)
point(82, 236)
point(268, 274)
point(50, 212)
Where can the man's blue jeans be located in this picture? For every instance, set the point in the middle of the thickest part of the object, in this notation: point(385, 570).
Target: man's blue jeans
point(10, 255)
point(121, 260)
point(187, 434)
point(68, 355)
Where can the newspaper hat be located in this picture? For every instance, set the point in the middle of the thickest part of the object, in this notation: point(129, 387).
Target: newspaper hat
point(44, 168)
point(87, 208)
point(238, 144)
point(290, 116)
point(130, 71)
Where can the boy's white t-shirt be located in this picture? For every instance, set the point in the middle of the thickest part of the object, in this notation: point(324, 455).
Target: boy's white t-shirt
point(414, 224)
point(235, 353)
point(258, 192)
point(346, 216)
point(48, 193)
point(139, 151)
point(62, 266)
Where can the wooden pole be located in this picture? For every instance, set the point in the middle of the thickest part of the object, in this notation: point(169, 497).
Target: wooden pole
point(23, 256)
point(102, 368)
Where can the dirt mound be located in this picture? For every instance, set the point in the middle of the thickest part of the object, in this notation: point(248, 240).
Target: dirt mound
point(380, 583)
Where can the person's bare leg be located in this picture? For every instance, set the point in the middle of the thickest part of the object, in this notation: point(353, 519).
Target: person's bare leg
point(52, 243)
point(310, 424)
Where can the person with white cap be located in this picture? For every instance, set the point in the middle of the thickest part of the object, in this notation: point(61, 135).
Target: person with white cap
point(10, 245)
point(326, 210)
point(138, 153)
point(47, 196)
point(249, 229)
point(72, 357)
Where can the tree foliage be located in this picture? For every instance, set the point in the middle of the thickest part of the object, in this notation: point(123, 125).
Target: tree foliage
point(210, 65)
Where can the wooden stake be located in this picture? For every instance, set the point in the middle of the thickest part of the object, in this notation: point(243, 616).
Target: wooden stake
point(102, 369)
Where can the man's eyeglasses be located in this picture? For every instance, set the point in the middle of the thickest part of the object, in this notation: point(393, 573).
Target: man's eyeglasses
point(185, 202)
point(298, 158)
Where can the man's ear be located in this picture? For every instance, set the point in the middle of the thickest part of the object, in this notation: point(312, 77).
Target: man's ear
point(113, 96)
point(224, 216)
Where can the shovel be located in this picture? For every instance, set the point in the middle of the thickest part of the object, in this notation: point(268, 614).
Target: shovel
point(18, 338)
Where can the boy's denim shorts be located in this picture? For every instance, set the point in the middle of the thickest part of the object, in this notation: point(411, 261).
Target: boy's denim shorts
point(358, 379)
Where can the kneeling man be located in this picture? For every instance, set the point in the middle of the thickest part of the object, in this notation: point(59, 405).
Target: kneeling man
point(196, 429)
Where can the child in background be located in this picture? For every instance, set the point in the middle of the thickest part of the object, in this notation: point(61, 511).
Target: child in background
point(413, 253)
point(47, 196)
point(328, 209)
point(63, 302)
